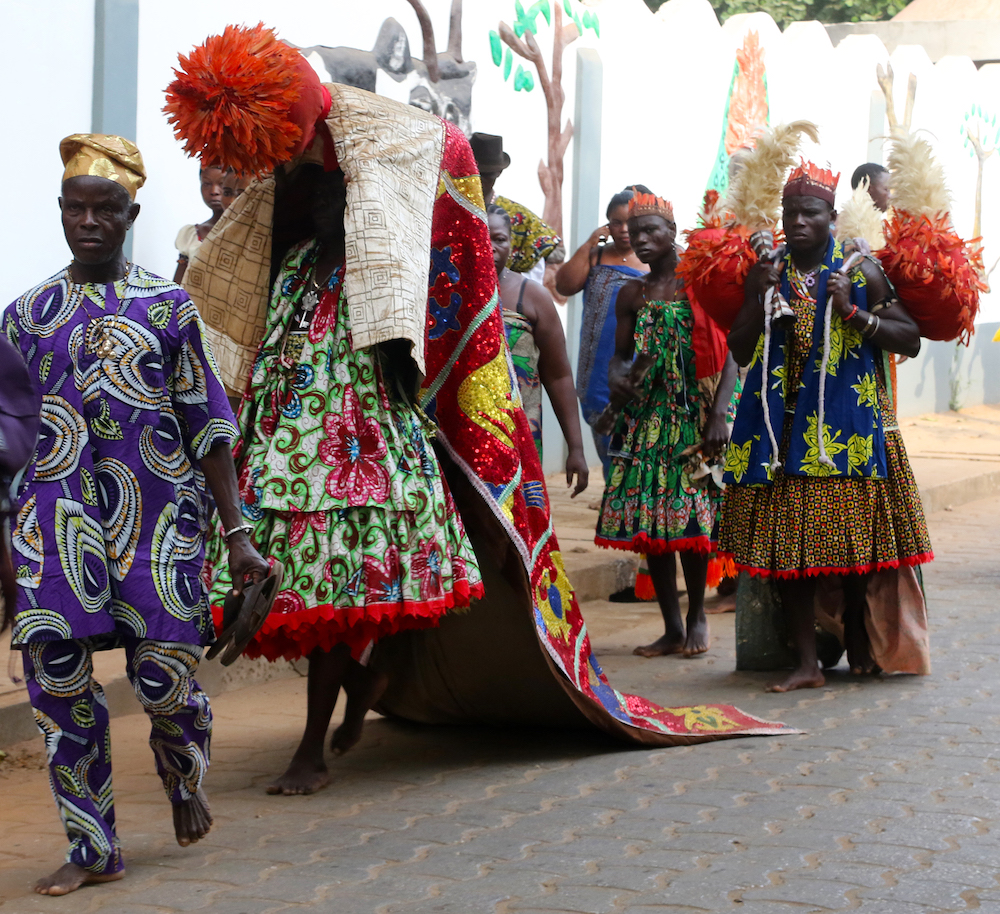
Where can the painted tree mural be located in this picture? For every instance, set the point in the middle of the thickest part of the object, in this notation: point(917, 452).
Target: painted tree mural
point(982, 137)
point(568, 23)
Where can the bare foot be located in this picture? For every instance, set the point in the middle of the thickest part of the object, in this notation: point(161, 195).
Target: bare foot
point(364, 687)
point(661, 647)
point(801, 678)
point(301, 778)
point(69, 877)
point(721, 604)
point(192, 819)
point(697, 637)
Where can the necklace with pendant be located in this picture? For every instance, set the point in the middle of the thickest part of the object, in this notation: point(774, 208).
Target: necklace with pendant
point(310, 298)
point(98, 339)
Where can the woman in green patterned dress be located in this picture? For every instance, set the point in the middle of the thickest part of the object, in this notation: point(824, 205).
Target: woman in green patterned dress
point(671, 422)
point(342, 485)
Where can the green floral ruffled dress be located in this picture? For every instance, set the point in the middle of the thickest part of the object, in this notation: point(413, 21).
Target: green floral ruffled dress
point(342, 485)
point(652, 503)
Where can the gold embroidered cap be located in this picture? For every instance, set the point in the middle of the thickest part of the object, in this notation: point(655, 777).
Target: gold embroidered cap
point(103, 156)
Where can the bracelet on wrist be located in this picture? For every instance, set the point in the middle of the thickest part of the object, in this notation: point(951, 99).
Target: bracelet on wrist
point(242, 528)
point(871, 328)
point(854, 311)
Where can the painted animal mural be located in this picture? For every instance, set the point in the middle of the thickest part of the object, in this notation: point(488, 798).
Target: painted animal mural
point(441, 83)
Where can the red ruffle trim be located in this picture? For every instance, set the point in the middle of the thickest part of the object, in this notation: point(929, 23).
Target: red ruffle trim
point(297, 634)
point(642, 544)
point(791, 573)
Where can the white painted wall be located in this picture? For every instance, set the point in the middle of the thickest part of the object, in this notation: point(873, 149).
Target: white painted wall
point(666, 79)
point(46, 81)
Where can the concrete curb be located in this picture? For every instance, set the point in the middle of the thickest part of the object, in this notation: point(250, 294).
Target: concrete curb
point(960, 492)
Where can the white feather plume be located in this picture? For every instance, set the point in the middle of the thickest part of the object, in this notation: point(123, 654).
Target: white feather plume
point(755, 194)
point(860, 218)
point(917, 185)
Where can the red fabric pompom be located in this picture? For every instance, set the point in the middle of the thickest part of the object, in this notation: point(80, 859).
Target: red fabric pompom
point(233, 99)
point(938, 275)
point(715, 267)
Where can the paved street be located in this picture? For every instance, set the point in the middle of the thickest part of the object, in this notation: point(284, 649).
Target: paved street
point(887, 803)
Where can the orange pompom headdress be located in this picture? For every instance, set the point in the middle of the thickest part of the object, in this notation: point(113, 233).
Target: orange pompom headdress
point(650, 205)
point(809, 180)
point(246, 100)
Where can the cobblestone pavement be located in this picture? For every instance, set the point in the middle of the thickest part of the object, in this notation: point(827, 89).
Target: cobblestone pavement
point(888, 803)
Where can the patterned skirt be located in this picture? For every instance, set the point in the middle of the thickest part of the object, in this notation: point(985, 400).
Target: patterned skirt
point(357, 575)
point(342, 486)
point(800, 526)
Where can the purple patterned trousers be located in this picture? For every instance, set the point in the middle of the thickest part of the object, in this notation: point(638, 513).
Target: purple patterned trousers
point(72, 714)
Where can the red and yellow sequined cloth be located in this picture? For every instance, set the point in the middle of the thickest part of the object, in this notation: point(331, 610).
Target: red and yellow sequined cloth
point(470, 392)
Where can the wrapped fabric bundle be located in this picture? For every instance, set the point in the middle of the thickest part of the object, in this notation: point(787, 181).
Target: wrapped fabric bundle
point(938, 275)
point(714, 266)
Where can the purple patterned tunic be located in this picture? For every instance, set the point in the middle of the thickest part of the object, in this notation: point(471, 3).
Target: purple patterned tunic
point(110, 532)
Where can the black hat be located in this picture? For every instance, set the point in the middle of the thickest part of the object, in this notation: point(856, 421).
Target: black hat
point(488, 150)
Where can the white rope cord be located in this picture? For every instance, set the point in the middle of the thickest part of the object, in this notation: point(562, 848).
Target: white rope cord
point(824, 458)
point(765, 386)
point(824, 362)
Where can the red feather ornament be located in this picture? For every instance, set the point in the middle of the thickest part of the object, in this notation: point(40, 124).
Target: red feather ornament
point(938, 275)
point(232, 100)
point(715, 266)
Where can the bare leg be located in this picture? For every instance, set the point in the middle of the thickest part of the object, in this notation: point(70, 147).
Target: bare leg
point(192, 819)
point(859, 649)
point(69, 877)
point(695, 566)
point(364, 687)
point(797, 598)
point(663, 571)
point(306, 773)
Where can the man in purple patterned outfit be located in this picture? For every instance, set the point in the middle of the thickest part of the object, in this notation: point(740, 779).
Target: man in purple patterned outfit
point(108, 544)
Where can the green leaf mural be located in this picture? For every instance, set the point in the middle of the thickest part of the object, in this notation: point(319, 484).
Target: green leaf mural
point(544, 67)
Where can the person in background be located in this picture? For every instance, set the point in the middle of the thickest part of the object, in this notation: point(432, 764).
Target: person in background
point(233, 186)
point(671, 420)
point(533, 243)
point(599, 268)
point(538, 348)
point(213, 192)
point(878, 183)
